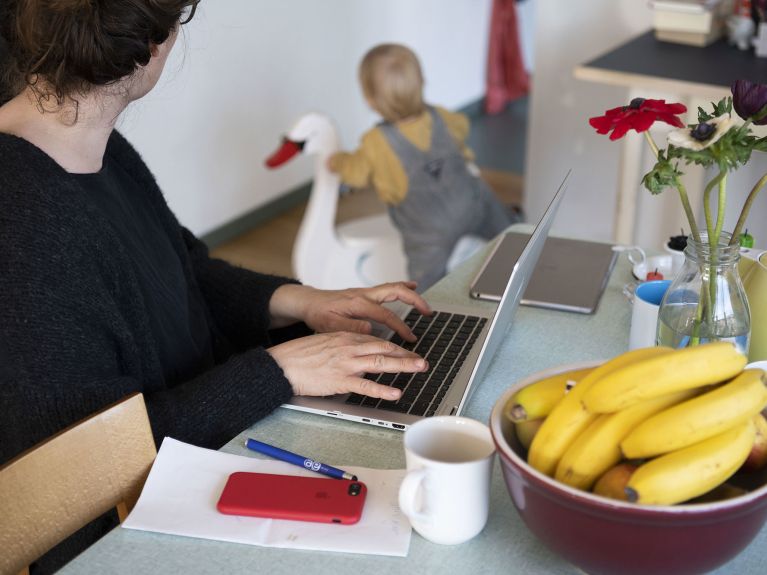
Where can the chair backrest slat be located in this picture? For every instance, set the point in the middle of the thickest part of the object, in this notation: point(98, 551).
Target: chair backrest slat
point(63, 483)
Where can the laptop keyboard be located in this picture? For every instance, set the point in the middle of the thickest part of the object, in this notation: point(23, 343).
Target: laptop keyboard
point(444, 340)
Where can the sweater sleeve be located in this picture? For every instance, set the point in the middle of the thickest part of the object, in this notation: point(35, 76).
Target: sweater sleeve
point(238, 299)
point(67, 356)
point(353, 168)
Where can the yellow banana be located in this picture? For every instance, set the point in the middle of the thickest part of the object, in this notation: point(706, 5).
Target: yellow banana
point(691, 471)
point(683, 369)
point(613, 483)
point(526, 431)
point(757, 459)
point(538, 399)
point(598, 448)
point(699, 418)
point(569, 417)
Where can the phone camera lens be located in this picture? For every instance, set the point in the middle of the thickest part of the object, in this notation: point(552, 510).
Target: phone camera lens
point(354, 489)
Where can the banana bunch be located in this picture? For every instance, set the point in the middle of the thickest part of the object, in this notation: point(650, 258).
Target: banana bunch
point(686, 419)
point(538, 399)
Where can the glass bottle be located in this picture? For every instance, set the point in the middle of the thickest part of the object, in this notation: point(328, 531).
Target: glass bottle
point(706, 301)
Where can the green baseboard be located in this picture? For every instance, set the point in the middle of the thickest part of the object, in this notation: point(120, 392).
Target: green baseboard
point(274, 208)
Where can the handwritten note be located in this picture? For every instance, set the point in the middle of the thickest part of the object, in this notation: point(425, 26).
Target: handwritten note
point(180, 495)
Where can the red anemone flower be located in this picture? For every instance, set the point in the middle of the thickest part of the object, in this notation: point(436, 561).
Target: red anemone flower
point(639, 115)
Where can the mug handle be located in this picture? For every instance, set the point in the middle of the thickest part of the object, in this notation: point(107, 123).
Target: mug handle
point(407, 495)
point(635, 254)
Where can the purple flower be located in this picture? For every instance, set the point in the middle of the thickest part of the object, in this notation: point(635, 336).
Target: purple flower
point(750, 100)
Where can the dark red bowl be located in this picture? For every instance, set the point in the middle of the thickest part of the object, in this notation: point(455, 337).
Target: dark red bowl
point(604, 536)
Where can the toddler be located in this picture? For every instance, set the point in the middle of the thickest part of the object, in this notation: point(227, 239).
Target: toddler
point(417, 161)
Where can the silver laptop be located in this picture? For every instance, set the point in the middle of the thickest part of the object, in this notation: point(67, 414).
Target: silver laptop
point(570, 276)
point(458, 341)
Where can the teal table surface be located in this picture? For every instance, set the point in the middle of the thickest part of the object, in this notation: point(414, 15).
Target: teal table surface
point(537, 339)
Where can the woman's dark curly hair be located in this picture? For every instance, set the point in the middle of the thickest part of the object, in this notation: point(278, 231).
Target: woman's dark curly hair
point(75, 45)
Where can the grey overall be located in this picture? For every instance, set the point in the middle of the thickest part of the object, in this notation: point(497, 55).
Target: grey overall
point(444, 202)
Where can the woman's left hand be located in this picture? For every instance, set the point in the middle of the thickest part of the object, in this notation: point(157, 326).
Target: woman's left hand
point(345, 310)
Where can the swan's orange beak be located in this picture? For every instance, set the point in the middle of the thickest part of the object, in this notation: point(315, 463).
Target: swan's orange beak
point(285, 152)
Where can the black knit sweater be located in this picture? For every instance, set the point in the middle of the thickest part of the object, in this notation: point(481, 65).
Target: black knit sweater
point(74, 330)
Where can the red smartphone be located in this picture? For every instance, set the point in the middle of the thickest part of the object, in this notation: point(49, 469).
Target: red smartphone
point(298, 498)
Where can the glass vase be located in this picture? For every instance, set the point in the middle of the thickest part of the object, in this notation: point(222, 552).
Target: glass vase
point(706, 301)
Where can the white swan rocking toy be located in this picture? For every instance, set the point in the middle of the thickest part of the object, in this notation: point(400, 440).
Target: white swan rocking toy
point(360, 253)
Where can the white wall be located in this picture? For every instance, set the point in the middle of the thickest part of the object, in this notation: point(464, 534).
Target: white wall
point(559, 137)
point(244, 70)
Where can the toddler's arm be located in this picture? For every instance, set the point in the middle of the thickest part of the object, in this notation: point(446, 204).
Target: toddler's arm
point(352, 167)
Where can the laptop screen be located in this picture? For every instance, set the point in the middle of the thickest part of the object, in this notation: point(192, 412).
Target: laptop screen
point(518, 280)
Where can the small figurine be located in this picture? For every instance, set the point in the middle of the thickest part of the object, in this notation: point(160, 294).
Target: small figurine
point(746, 240)
point(654, 275)
point(760, 40)
point(740, 26)
point(677, 243)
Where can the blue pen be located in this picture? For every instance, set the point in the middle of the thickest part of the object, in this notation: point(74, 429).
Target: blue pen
point(299, 460)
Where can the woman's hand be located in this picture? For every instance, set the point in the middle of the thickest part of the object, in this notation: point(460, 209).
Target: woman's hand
point(345, 310)
point(330, 363)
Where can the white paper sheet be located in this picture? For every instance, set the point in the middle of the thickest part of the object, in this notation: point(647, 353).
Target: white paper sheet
point(183, 487)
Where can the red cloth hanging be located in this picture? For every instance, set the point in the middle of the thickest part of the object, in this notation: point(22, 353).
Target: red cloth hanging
point(507, 78)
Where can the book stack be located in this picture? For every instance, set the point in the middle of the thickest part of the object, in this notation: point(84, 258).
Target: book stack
point(692, 22)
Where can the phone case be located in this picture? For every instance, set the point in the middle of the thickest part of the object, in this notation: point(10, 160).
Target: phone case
point(297, 498)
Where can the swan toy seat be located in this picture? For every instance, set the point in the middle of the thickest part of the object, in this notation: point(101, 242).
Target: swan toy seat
point(360, 253)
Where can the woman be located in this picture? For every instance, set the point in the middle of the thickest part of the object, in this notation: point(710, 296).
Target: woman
point(103, 293)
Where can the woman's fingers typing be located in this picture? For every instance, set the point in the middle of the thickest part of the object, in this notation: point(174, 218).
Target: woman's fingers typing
point(326, 364)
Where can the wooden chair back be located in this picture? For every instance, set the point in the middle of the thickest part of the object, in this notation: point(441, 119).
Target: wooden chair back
point(55, 488)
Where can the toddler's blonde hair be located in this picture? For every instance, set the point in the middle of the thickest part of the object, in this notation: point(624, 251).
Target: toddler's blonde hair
point(392, 82)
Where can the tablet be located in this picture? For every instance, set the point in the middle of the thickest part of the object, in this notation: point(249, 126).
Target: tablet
point(571, 275)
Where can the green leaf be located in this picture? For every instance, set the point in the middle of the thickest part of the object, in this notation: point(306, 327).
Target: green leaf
point(703, 116)
point(663, 175)
point(703, 157)
point(723, 106)
point(760, 145)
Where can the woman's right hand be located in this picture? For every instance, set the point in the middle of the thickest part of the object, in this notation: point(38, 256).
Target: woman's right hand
point(332, 363)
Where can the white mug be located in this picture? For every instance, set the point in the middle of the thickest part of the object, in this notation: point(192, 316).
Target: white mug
point(677, 260)
point(644, 314)
point(446, 491)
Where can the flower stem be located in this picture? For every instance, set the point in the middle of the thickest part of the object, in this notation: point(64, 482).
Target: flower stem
point(746, 207)
point(687, 209)
point(713, 241)
point(714, 230)
point(680, 188)
point(720, 207)
point(707, 206)
point(653, 145)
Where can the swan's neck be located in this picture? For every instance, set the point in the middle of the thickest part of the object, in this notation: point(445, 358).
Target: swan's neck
point(318, 225)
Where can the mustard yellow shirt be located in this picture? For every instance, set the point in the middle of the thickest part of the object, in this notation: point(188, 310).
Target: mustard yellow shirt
point(375, 164)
